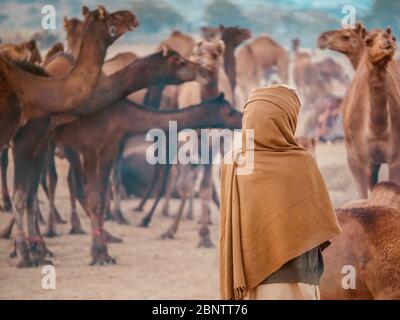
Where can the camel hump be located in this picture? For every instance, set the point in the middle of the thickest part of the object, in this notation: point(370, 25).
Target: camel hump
point(386, 193)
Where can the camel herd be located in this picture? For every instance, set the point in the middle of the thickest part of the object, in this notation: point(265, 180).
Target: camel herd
point(55, 106)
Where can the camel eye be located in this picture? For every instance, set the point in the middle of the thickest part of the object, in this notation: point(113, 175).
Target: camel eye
point(345, 38)
point(112, 31)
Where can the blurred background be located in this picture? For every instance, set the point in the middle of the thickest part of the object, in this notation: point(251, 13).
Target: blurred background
point(283, 20)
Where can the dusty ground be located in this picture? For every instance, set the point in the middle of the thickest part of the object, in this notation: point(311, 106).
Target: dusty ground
point(148, 268)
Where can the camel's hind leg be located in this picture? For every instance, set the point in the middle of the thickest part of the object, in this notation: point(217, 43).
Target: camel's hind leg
point(173, 176)
point(115, 184)
point(170, 233)
point(7, 207)
point(150, 188)
point(362, 177)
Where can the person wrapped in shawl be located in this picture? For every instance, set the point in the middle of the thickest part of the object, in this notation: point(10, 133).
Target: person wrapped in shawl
point(274, 221)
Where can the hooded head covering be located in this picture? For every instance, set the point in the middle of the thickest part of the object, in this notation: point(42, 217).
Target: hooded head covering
point(278, 211)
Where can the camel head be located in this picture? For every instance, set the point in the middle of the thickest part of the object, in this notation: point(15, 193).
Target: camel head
point(19, 52)
point(225, 114)
point(181, 70)
point(209, 54)
point(210, 33)
point(295, 44)
point(381, 46)
point(73, 27)
point(234, 35)
point(110, 25)
point(346, 41)
point(35, 56)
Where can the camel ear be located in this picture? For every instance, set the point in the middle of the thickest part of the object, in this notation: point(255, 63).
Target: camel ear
point(363, 33)
point(65, 22)
point(85, 11)
point(102, 12)
point(389, 29)
point(359, 26)
point(166, 50)
point(368, 40)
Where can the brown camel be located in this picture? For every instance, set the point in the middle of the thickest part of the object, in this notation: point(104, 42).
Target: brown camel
point(255, 59)
point(166, 96)
point(122, 118)
point(370, 110)
point(209, 55)
point(27, 150)
point(63, 94)
point(166, 67)
point(370, 244)
point(25, 51)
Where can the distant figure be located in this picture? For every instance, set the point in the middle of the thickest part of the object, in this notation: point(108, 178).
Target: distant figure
point(276, 220)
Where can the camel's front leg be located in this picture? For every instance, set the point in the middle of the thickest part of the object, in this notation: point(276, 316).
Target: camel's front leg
point(170, 234)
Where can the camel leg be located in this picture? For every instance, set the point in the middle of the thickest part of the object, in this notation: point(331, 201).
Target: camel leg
point(52, 179)
point(173, 176)
point(189, 213)
point(116, 191)
point(76, 227)
point(6, 232)
point(204, 232)
point(7, 207)
point(150, 187)
point(206, 190)
point(92, 190)
point(146, 220)
point(361, 176)
point(75, 190)
point(170, 233)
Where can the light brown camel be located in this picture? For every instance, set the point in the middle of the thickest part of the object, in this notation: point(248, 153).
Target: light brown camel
point(370, 113)
point(209, 55)
point(350, 42)
point(370, 244)
point(255, 59)
point(25, 51)
point(63, 94)
point(117, 120)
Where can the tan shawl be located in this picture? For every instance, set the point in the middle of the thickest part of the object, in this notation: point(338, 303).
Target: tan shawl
point(279, 211)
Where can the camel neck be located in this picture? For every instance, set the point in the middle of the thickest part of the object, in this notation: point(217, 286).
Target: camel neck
point(136, 119)
point(140, 74)
point(356, 57)
point(377, 88)
point(230, 64)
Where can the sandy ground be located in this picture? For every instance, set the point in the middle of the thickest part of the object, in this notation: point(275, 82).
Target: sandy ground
point(147, 267)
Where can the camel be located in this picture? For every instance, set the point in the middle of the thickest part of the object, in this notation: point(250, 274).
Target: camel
point(166, 96)
point(232, 38)
point(370, 244)
point(122, 118)
point(209, 54)
point(370, 110)
point(166, 66)
point(301, 62)
point(63, 94)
